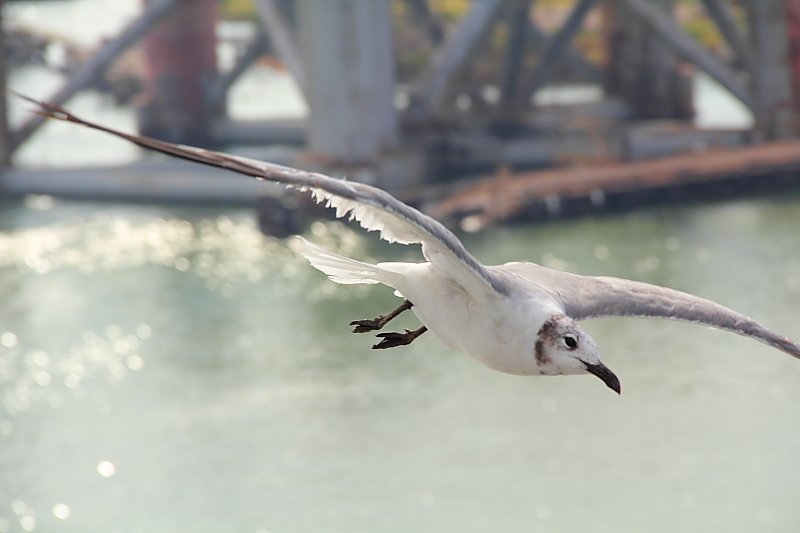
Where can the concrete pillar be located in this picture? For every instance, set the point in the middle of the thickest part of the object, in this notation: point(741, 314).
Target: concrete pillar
point(347, 50)
point(181, 61)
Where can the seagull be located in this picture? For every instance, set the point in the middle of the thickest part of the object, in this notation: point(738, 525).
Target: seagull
point(517, 318)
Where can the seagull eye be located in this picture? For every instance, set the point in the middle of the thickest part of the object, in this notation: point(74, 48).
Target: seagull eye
point(570, 341)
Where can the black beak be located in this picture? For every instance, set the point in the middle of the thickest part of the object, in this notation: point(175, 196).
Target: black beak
point(608, 377)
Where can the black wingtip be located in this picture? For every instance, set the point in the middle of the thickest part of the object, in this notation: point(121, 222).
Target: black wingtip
point(45, 109)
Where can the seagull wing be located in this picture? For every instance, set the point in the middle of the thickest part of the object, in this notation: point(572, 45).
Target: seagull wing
point(585, 297)
point(373, 208)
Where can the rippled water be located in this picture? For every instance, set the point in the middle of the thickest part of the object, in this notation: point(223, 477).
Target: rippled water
point(171, 369)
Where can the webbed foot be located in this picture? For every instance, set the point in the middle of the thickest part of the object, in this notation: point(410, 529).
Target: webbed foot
point(376, 324)
point(394, 339)
point(363, 326)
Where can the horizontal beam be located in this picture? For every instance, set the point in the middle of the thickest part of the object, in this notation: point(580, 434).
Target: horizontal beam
point(156, 181)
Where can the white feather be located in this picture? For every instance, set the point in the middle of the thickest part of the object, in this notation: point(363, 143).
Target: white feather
point(338, 268)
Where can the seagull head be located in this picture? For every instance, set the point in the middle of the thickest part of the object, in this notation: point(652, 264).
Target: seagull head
point(563, 347)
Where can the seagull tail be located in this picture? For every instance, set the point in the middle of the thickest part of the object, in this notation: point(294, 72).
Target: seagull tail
point(339, 268)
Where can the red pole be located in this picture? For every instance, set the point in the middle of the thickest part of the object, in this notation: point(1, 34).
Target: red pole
point(181, 63)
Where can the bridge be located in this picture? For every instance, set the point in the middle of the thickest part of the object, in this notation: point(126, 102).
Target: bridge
point(464, 96)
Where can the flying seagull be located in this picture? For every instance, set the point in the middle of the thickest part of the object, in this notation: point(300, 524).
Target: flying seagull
point(517, 318)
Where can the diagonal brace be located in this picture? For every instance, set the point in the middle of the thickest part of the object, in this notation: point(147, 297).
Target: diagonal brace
point(725, 20)
point(672, 35)
point(453, 54)
point(554, 49)
point(92, 67)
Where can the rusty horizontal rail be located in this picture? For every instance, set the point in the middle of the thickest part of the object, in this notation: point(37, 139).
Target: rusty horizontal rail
point(505, 195)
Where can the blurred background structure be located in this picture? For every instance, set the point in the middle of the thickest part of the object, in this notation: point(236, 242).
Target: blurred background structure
point(166, 366)
point(409, 94)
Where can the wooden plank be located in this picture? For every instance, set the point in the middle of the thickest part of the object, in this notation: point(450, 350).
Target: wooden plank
point(499, 198)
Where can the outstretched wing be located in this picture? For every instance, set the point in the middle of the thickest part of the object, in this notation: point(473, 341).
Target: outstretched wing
point(585, 297)
point(373, 208)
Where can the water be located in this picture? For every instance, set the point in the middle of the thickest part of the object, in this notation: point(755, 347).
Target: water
point(170, 369)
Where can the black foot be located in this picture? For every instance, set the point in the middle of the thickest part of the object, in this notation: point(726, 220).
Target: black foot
point(394, 339)
point(363, 326)
point(376, 324)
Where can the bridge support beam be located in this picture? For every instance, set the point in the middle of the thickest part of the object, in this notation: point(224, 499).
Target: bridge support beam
point(347, 48)
point(643, 67)
point(771, 80)
point(182, 65)
point(5, 134)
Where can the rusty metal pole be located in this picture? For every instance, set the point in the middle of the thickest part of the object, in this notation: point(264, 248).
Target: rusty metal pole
point(181, 61)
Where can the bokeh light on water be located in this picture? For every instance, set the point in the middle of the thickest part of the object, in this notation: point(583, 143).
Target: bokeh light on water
point(170, 369)
point(173, 369)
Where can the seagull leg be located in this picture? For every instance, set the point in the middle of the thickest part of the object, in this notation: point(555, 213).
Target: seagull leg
point(363, 326)
point(393, 339)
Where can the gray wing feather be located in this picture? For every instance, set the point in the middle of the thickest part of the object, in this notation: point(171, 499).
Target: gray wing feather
point(582, 297)
point(375, 209)
point(586, 297)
